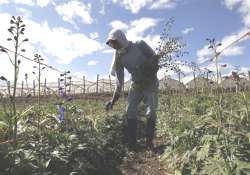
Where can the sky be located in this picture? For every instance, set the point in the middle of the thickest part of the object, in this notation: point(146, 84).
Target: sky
point(71, 35)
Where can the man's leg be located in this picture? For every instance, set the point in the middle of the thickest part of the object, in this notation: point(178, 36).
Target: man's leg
point(151, 103)
point(134, 98)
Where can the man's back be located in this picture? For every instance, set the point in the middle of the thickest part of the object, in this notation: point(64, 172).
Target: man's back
point(136, 59)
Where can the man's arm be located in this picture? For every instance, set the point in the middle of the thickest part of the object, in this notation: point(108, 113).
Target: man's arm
point(119, 83)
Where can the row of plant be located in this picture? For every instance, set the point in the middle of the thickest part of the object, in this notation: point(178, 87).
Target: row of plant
point(80, 139)
point(206, 134)
point(60, 137)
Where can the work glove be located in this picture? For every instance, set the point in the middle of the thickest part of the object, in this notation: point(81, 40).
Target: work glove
point(109, 105)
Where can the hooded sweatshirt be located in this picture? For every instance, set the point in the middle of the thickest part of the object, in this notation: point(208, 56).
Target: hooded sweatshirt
point(131, 56)
point(121, 38)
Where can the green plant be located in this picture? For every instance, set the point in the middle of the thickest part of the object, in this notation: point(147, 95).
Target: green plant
point(16, 30)
point(210, 141)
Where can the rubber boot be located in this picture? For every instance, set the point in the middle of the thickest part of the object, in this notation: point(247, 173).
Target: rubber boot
point(150, 131)
point(132, 130)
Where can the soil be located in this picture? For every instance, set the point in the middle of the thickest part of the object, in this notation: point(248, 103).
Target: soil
point(144, 162)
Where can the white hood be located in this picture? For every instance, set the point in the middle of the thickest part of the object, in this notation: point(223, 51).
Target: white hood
point(118, 35)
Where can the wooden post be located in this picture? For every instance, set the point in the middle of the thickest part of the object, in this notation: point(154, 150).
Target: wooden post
point(58, 86)
point(195, 86)
point(207, 80)
point(22, 89)
point(9, 88)
point(110, 83)
point(34, 88)
point(123, 89)
point(97, 80)
point(45, 87)
point(165, 83)
point(84, 88)
point(103, 85)
point(179, 76)
point(70, 84)
point(249, 75)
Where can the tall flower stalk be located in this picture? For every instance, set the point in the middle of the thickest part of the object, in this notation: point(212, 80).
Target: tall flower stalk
point(66, 79)
point(38, 73)
point(16, 30)
point(214, 46)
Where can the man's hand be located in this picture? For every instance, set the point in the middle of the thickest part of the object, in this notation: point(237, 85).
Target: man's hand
point(108, 105)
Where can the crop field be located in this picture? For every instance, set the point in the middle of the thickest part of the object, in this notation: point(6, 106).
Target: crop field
point(202, 134)
point(201, 129)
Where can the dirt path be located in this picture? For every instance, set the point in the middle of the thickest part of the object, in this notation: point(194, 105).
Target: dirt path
point(144, 162)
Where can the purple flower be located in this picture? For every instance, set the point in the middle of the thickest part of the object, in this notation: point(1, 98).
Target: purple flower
point(61, 117)
point(61, 111)
point(62, 93)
